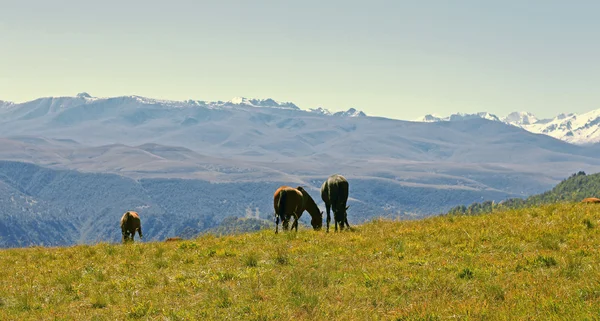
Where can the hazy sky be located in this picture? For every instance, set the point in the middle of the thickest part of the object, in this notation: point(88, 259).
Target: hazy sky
point(399, 59)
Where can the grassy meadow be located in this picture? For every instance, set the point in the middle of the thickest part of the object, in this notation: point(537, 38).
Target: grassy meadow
point(539, 263)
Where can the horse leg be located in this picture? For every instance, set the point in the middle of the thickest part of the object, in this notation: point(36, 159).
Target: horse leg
point(277, 225)
point(334, 209)
point(127, 237)
point(336, 221)
point(140, 232)
point(328, 207)
point(295, 224)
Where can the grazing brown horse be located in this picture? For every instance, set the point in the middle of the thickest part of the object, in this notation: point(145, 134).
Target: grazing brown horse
point(334, 193)
point(130, 222)
point(174, 239)
point(591, 200)
point(292, 202)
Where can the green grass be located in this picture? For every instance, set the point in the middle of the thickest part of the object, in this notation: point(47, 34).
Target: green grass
point(538, 264)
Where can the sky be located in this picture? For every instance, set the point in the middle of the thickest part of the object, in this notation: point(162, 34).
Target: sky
point(397, 59)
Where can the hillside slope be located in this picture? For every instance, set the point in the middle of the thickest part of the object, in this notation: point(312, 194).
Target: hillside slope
point(42, 206)
point(26, 220)
point(573, 189)
point(537, 263)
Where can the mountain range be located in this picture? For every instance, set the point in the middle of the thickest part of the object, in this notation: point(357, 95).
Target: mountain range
point(572, 128)
point(188, 165)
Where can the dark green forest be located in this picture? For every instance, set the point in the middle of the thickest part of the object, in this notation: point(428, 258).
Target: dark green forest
point(573, 189)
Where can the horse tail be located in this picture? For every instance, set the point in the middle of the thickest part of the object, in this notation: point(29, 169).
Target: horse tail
point(281, 203)
point(124, 220)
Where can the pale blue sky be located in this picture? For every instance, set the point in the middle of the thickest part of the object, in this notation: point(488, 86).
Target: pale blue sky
point(399, 59)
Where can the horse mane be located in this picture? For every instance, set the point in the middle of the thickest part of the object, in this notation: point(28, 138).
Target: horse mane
point(310, 205)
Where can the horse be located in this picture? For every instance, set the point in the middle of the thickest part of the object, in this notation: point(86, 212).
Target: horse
point(292, 202)
point(174, 239)
point(591, 200)
point(130, 222)
point(334, 192)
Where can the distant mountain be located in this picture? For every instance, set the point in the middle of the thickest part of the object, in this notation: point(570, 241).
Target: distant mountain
point(520, 119)
point(350, 113)
point(253, 139)
point(320, 110)
point(5, 104)
point(572, 128)
point(54, 104)
point(189, 164)
point(457, 117)
point(261, 103)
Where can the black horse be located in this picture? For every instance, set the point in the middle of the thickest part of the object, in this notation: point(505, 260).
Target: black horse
point(334, 193)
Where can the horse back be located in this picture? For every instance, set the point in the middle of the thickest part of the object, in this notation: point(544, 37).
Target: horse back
point(130, 221)
point(293, 199)
point(134, 215)
point(337, 187)
point(591, 200)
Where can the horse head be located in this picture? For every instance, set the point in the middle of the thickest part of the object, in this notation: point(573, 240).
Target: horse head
point(317, 221)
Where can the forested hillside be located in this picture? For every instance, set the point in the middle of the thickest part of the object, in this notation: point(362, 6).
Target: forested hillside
point(573, 189)
point(41, 206)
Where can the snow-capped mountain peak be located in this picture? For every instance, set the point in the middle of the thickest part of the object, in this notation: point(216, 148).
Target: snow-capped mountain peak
point(320, 110)
point(62, 103)
point(564, 116)
point(352, 112)
point(519, 118)
point(484, 115)
point(6, 104)
point(571, 128)
point(430, 118)
point(242, 101)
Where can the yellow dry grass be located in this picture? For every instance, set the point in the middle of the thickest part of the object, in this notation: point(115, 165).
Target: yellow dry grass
point(531, 264)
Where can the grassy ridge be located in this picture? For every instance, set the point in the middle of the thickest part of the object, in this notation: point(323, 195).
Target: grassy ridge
point(573, 189)
point(538, 263)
